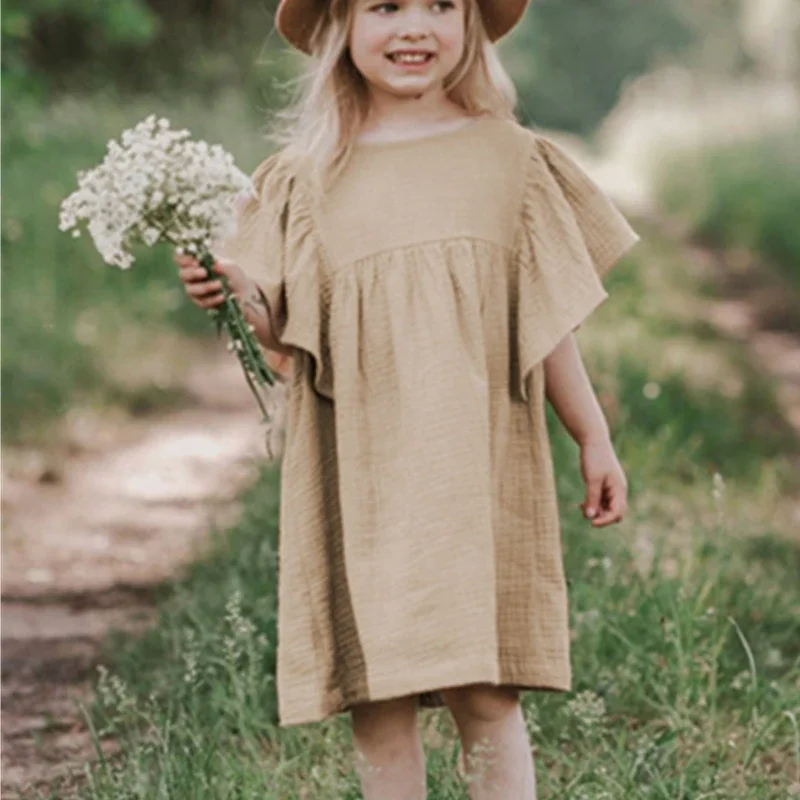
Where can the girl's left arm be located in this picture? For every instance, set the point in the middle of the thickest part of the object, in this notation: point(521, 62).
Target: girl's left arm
point(570, 392)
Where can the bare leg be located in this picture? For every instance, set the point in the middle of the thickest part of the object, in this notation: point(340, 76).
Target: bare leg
point(499, 763)
point(389, 755)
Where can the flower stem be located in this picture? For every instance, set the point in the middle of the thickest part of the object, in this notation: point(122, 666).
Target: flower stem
point(229, 315)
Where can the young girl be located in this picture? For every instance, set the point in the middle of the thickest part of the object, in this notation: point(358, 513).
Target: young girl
point(424, 260)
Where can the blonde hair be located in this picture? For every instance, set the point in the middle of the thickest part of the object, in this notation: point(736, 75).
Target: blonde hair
point(321, 124)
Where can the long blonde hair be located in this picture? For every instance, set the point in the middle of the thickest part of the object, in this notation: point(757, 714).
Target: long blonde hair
point(321, 124)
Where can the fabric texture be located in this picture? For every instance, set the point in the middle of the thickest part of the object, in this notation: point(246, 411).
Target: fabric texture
point(419, 543)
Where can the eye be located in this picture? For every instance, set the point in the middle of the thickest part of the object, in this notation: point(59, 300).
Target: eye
point(444, 4)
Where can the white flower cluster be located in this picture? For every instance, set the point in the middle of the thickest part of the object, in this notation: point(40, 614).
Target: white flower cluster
point(158, 185)
point(588, 709)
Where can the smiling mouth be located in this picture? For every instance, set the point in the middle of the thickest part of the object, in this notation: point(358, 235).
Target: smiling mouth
point(410, 58)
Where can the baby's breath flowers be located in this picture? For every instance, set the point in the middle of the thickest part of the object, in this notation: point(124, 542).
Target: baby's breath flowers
point(159, 185)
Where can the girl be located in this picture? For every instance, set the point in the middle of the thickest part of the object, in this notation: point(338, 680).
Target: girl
point(424, 260)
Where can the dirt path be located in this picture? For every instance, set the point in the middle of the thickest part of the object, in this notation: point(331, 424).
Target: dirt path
point(85, 542)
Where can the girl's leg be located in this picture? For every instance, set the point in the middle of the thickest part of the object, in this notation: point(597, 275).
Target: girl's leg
point(498, 763)
point(389, 755)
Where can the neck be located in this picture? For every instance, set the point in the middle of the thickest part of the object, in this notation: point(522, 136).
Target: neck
point(391, 111)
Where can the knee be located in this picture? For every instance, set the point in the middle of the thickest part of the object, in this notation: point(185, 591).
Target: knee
point(385, 726)
point(481, 702)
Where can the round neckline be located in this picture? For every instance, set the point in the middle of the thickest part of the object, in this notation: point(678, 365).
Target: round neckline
point(399, 143)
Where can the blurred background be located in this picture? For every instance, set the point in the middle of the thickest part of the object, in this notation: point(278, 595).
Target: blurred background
point(640, 80)
point(125, 423)
point(634, 80)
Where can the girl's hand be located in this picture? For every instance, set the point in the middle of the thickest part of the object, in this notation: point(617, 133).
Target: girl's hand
point(606, 487)
point(202, 289)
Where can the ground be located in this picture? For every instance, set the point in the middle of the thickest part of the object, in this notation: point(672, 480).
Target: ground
point(89, 533)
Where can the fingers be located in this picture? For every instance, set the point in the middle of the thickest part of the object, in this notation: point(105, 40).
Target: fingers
point(614, 504)
point(594, 491)
point(202, 292)
point(189, 267)
point(184, 260)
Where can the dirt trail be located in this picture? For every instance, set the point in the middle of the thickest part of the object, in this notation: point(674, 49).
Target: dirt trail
point(84, 545)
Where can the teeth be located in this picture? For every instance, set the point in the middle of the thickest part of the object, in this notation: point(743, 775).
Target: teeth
point(409, 59)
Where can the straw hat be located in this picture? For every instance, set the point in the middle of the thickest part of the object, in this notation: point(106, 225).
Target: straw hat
point(295, 19)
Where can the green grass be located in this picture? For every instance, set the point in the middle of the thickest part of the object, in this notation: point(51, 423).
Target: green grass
point(742, 195)
point(72, 326)
point(686, 632)
point(683, 405)
point(667, 702)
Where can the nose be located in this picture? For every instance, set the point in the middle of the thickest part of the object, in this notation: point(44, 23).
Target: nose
point(415, 25)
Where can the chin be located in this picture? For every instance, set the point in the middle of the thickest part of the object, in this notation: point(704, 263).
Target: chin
point(411, 87)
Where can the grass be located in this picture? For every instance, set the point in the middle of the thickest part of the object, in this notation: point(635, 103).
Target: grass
point(744, 195)
point(684, 619)
point(667, 701)
point(72, 326)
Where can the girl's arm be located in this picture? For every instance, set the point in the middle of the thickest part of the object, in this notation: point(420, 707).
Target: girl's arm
point(570, 392)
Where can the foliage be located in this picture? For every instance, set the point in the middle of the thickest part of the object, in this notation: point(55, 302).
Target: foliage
point(39, 35)
point(741, 195)
point(52, 47)
point(571, 59)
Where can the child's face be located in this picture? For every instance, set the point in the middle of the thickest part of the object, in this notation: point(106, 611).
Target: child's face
point(432, 27)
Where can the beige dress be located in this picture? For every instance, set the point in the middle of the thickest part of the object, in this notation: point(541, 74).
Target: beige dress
point(419, 530)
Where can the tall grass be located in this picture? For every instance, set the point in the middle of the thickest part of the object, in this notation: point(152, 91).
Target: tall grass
point(742, 195)
point(71, 324)
point(684, 620)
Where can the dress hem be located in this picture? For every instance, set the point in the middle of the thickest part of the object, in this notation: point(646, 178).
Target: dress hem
point(535, 679)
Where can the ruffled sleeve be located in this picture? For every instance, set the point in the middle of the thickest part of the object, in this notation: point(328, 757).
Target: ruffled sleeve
point(276, 242)
point(258, 243)
point(570, 235)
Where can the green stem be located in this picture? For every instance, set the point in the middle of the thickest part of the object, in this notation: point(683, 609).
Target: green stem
point(230, 316)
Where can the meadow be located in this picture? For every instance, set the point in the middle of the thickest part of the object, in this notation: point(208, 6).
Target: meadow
point(684, 619)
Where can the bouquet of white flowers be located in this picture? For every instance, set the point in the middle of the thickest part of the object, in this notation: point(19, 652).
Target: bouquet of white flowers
point(160, 186)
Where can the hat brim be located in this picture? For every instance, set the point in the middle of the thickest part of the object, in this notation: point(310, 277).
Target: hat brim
point(295, 19)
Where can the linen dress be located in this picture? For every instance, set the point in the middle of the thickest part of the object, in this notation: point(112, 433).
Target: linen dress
point(419, 538)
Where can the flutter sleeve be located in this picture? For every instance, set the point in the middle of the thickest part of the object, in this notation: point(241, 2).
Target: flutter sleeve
point(570, 235)
point(277, 243)
point(258, 243)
